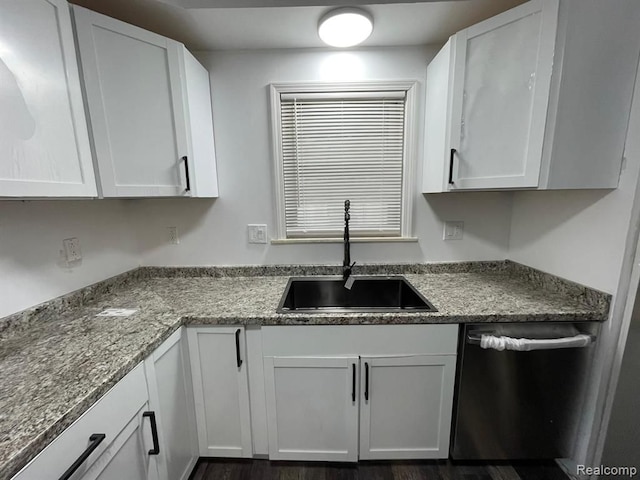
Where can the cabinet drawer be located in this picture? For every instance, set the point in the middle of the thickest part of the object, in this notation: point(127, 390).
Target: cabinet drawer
point(359, 340)
point(108, 416)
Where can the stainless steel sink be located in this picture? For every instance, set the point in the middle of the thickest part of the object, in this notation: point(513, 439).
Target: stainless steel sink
point(368, 294)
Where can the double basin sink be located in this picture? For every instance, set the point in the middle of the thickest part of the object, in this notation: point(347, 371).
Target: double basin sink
point(367, 294)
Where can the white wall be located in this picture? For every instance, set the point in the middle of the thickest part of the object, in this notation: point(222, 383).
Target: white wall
point(577, 235)
point(31, 233)
point(214, 232)
point(586, 236)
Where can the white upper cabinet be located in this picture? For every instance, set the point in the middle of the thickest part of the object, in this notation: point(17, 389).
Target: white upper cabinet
point(501, 96)
point(149, 107)
point(535, 98)
point(44, 144)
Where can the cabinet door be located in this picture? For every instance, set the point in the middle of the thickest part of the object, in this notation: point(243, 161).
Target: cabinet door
point(405, 406)
point(312, 408)
point(199, 116)
point(135, 102)
point(501, 88)
point(44, 143)
point(171, 397)
point(128, 455)
point(439, 95)
point(221, 391)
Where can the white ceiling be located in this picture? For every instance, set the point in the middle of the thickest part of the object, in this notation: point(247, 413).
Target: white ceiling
point(278, 3)
point(251, 27)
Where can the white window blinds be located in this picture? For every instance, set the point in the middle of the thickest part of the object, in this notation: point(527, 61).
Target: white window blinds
point(338, 146)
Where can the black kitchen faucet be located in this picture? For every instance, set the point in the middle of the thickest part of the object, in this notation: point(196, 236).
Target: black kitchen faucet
point(347, 266)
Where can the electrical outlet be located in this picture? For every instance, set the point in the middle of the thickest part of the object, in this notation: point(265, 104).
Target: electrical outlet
point(257, 233)
point(72, 250)
point(172, 233)
point(453, 230)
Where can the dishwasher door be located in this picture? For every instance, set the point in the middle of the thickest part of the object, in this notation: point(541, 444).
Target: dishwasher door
point(516, 404)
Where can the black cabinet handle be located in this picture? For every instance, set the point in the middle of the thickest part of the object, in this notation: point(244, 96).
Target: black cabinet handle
point(366, 380)
point(453, 151)
point(94, 440)
point(238, 359)
point(353, 384)
point(154, 432)
point(186, 173)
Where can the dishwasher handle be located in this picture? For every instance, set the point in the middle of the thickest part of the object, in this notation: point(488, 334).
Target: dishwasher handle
point(500, 342)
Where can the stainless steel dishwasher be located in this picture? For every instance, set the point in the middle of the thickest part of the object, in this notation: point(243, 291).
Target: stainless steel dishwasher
point(522, 402)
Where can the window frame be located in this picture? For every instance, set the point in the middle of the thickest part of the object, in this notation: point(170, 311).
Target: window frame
point(408, 162)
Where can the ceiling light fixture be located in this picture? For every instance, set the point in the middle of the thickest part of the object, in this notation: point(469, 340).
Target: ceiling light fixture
point(345, 27)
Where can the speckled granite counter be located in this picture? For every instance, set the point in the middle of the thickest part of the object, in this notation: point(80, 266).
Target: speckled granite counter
point(56, 360)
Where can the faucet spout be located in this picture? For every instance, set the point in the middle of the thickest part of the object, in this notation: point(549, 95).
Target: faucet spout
point(347, 266)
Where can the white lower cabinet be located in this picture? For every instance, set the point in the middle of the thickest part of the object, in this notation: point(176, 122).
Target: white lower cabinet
point(142, 429)
point(339, 393)
point(312, 408)
point(171, 397)
point(405, 406)
point(118, 429)
point(319, 393)
point(127, 456)
point(221, 391)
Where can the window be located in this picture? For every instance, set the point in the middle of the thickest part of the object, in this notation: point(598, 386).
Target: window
point(339, 142)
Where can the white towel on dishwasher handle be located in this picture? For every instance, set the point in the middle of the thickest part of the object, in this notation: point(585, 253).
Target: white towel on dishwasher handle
point(526, 344)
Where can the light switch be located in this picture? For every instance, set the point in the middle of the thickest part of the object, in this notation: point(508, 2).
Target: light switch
point(453, 230)
point(257, 233)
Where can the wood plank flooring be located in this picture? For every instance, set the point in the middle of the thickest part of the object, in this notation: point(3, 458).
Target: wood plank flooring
point(227, 469)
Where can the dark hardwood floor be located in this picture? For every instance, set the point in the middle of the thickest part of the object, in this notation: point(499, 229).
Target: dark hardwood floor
point(226, 469)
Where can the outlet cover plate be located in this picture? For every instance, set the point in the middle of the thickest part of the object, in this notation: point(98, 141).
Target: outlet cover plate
point(172, 235)
point(117, 312)
point(72, 250)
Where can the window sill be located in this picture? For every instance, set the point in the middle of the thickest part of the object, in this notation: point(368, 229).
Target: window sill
point(287, 241)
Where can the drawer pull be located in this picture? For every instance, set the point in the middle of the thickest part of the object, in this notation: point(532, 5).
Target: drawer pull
point(353, 384)
point(453, 151)
point(238, 359)
point(154, 432)
point(94, 440)
point(186, 173)
point(366, 380)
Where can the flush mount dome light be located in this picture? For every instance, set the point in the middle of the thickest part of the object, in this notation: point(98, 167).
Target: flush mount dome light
point(345, 27)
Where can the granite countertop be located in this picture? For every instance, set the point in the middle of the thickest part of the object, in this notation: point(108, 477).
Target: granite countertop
point(57, 359)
